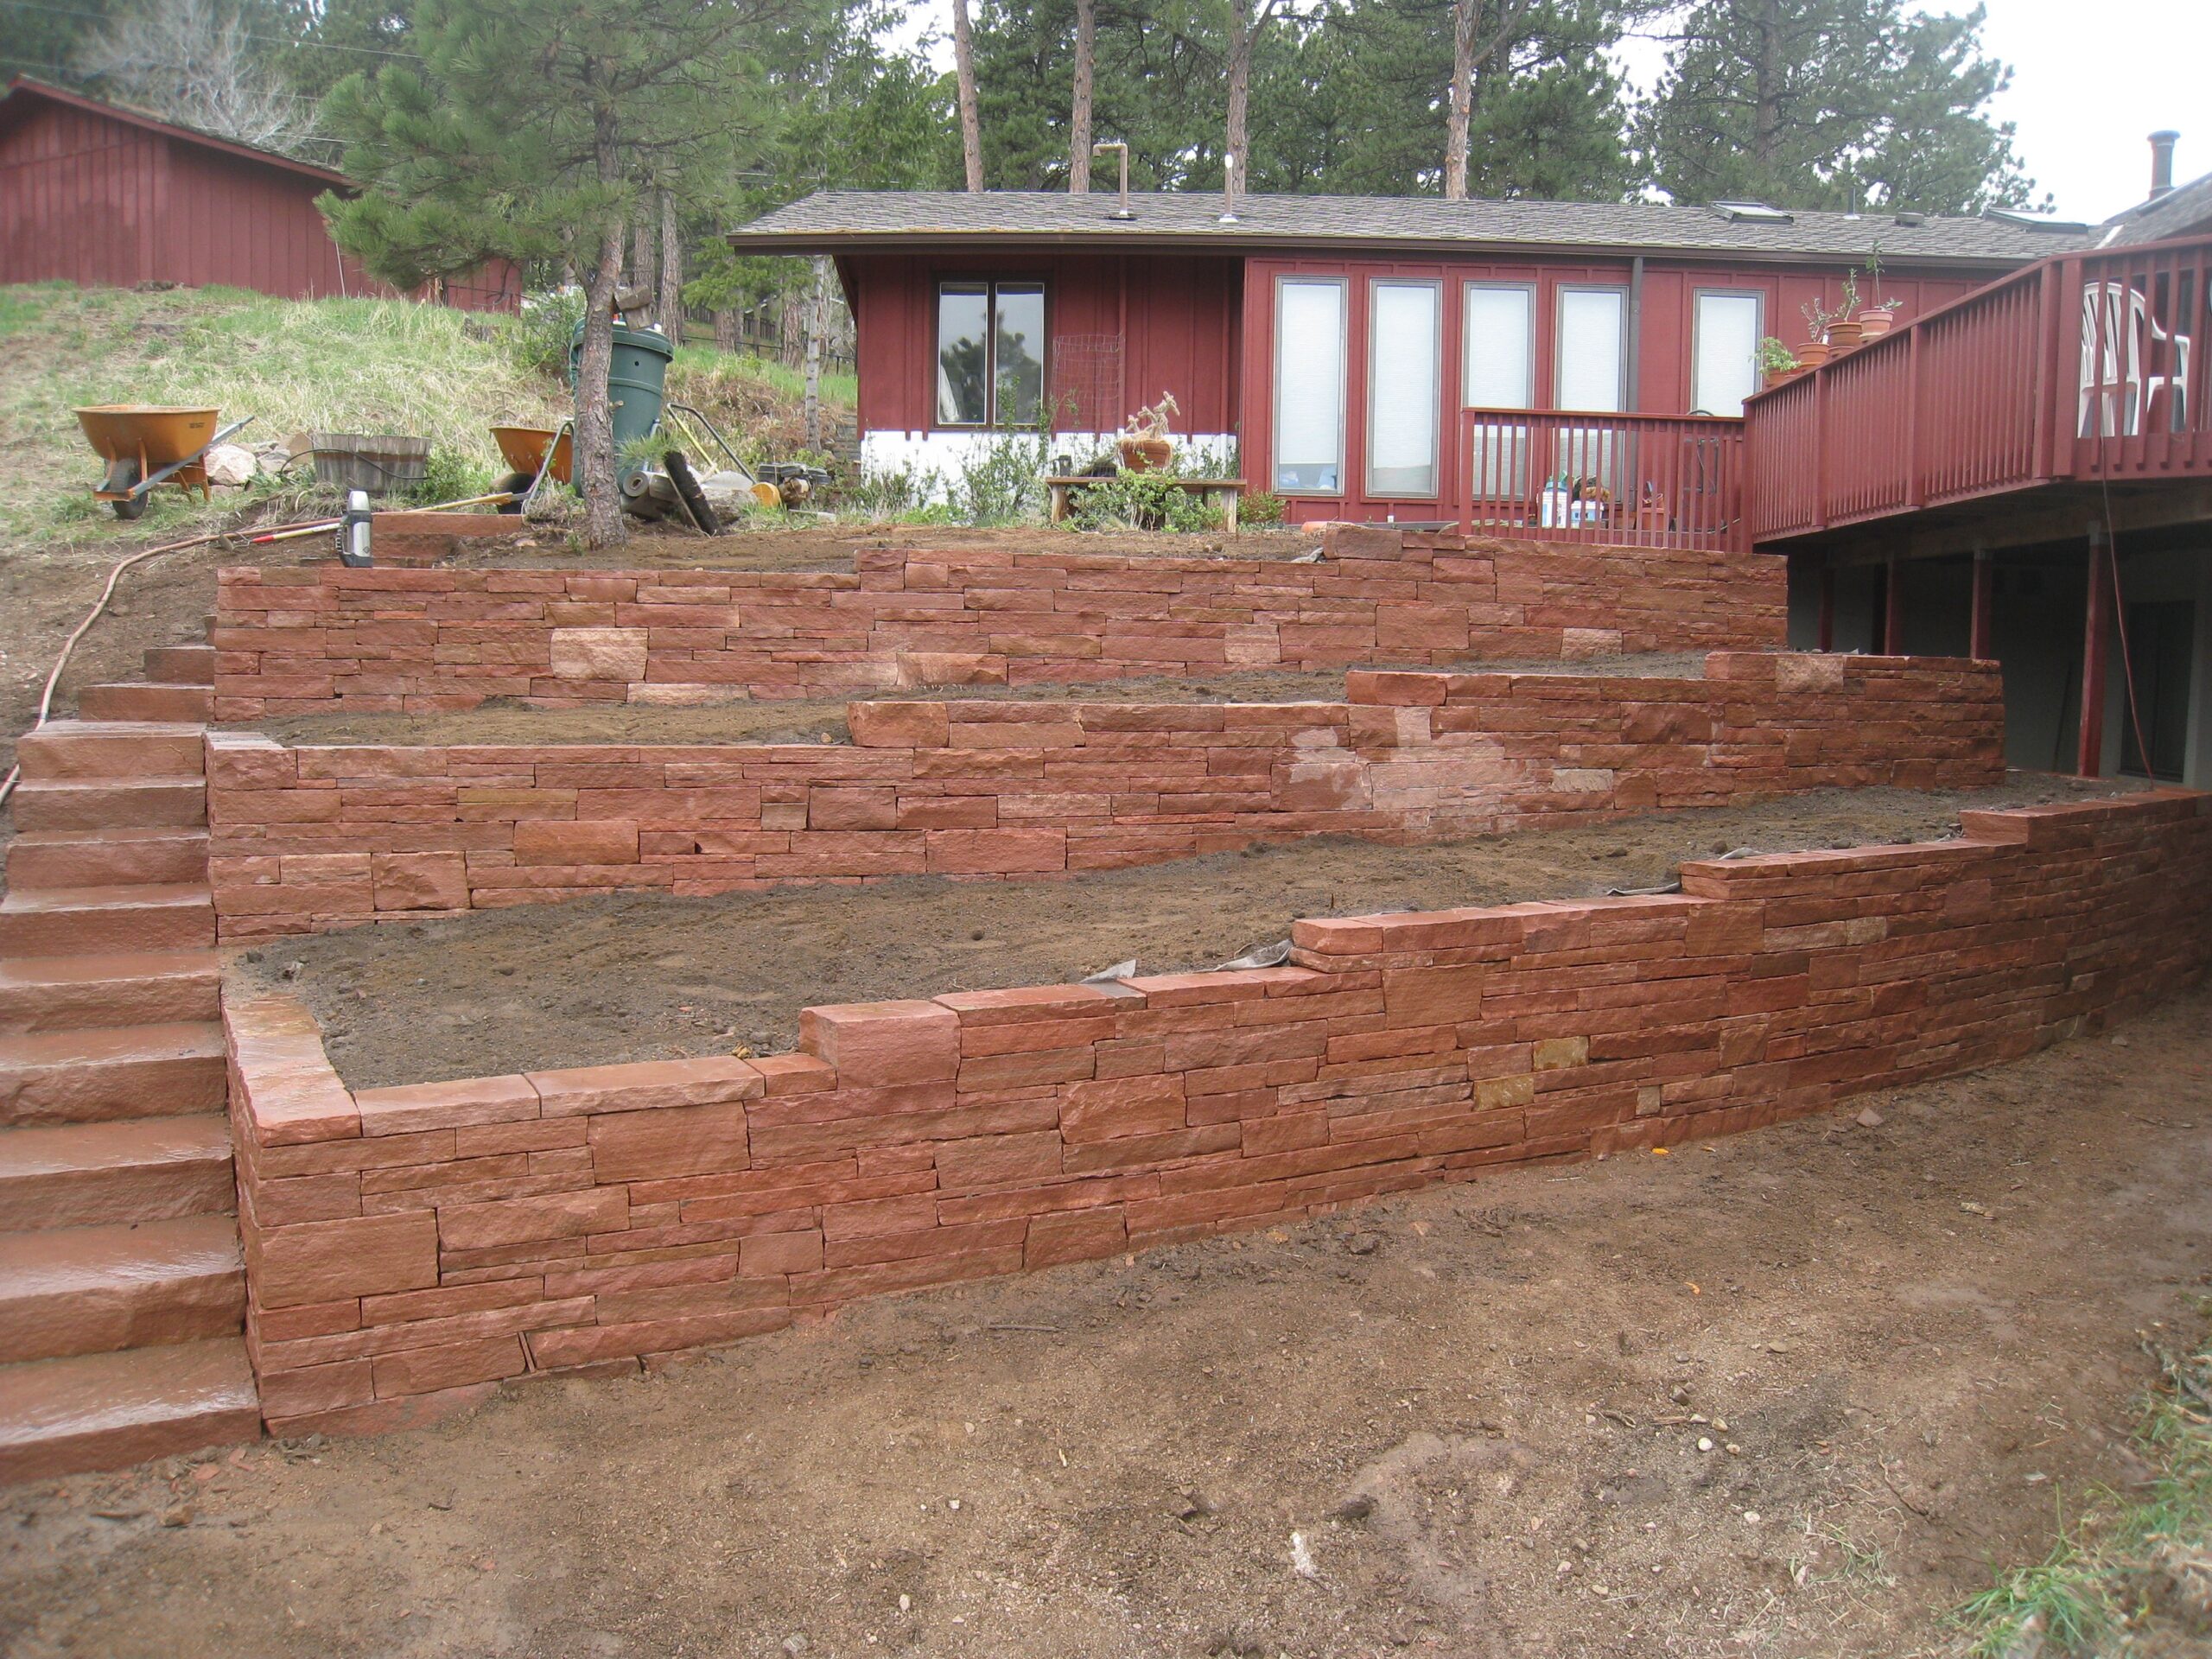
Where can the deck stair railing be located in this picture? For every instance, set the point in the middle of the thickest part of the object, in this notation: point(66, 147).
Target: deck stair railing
point(1647, 480)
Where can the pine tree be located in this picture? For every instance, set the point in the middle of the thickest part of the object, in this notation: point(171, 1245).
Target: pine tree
point(1837, 103)
point(539, 130)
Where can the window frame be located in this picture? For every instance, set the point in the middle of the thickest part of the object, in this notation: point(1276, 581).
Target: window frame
point(1343, 285)
point(1435, 286)
point(1757, 297)
point(1559, 345)
point(957, 281)
point(1467, 340)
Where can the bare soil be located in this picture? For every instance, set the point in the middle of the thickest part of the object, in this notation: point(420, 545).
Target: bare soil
point(636, 976)
point(1909, 1336)
point(817, 720)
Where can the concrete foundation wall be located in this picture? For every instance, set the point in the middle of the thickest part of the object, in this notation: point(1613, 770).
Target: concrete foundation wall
point(409, 1247)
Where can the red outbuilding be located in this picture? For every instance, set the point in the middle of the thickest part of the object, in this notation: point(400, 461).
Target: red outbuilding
point(100, 195)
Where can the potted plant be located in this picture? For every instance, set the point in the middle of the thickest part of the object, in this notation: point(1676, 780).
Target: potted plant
point(1144, 442)
point(1815, 351)
point(1775, 362)
point(1882, 310)
point(1843, 327)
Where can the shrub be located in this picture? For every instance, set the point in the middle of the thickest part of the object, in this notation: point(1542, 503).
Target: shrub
point(1261, 507)
point(1141, 501)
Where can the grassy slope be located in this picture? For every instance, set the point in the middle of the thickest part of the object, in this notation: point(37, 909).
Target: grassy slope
point(333, 365)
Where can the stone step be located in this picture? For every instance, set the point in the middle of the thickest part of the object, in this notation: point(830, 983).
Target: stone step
point(134, 700)
point(180, 665)
point(107, 858)
point(139, 803)
point(96, 1077)
point(84, 921)
point(141, 988)
point(123, 750)
point(142, 1169)
point(102, 1411)
point(92, 1290)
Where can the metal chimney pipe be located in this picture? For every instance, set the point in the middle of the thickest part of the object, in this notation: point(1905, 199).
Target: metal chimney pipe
point(2162, 161)
point(1121, 151)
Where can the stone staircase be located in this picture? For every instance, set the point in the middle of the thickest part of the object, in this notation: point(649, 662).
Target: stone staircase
point(122, 1288)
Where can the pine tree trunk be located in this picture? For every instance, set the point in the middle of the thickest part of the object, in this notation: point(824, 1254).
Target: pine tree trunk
point(1242, 27)
point(818, 322)
point(725, 329)
point(1766, 113)
point(668, 308)
point(1463, 14)
point(1086, 36)
point(971, 123)
point(644, 268)
point(603, 526)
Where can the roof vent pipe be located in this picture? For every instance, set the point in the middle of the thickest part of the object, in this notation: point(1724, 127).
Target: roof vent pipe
point(2162, 161)
point(1123, 151)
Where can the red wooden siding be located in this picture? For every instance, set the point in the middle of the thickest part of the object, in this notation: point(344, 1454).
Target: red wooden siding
point(89, 198)
point(1176, 315)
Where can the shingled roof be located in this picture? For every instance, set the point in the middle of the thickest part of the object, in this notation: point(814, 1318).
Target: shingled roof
point(837, 221)
point(2180, 212)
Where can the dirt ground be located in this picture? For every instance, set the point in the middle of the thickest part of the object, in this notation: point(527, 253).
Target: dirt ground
point(816, 719)
point(638, 976)
point(1476, 1414)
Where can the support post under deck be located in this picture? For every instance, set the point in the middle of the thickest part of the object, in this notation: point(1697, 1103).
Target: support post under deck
point(1981, 617)
point(1893, 608)
point(1827, 603)
point(2090, 759)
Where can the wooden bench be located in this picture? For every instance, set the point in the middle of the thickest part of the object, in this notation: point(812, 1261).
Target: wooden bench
point(1227, 490)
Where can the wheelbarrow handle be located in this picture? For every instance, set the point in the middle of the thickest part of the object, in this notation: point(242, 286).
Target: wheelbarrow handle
point(152, 478)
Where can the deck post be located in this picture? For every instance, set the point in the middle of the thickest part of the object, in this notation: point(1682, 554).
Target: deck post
point(1893, 608)
point(2090, 759)
point(1980, 618)
point(1828, 603)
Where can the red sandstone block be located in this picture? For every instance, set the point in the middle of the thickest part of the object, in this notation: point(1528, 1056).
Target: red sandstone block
point(647, 1086)
point(447, 1301)
point(451, 1365)
point(900, 1214)
point(924, 1243)
point(594, 842)
point(730, 1294)
point(872, 808)
point(898, 725)
point(316, 1388)
point(767, 1254)
point(1136, 1151)
point(842, 1284)
point(641, 1274)
point(668, 1141)
point(1104, 1110)
point(325, 1261)
point(874, 1044)
point(1026, 1069)
point(534, 1135)
point(1431, 996)
point(997, 1159)
point(420, 881)
point(997, 852)
point(1076, 1236)
point(1013, 1036)
point(415, 1107)
point(827, 1105)
point(529, 1221)
point(586, 1344)
point(310, 1319)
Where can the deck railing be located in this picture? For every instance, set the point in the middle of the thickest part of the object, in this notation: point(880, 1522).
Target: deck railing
point(1640, 480)
point(2078, 367)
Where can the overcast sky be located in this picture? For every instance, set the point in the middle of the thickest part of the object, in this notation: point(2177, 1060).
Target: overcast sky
point(2091, 79)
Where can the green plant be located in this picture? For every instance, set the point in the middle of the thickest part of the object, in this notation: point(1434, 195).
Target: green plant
point(539, 336)
point(1817, 319)
point(1774, 358)
point(1141, 501)
point(1873, 270)
point(1004, 480)
point(1261, 507)
point(451, 476)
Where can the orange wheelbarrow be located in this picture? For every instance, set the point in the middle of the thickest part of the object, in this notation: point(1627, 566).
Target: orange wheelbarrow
point(146, 444)
point(532, 454)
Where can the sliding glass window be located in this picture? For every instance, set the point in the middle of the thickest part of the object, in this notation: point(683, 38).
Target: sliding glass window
point(1499, 372)
point(1309, 385)
point(1405, 340)
point(990, 353)
point(1723, 353)
point(1592, 361)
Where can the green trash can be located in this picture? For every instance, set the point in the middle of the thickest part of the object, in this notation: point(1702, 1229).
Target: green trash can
point(635, 382)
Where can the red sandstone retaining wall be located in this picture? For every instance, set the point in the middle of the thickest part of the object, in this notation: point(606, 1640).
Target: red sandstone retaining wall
point(317, 837)
point(409, 1247)
point(325, 637)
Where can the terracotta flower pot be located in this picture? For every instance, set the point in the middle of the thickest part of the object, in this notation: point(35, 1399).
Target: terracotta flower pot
point(1812, 353)
point(1844, 336)
point(1872, 325)
point(1774, 377)
point(1146, 454)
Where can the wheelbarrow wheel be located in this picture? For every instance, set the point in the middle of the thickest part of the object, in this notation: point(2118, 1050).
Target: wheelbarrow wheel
point(513, 484)
point(121, 476)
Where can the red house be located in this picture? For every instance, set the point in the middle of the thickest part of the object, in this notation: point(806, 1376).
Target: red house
point(103, 196)
point(1577, 366)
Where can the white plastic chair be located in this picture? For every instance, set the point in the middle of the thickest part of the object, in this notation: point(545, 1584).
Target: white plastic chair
point(2115, 319)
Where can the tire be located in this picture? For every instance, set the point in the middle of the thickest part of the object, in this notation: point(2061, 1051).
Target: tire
point(121, 476)
point(514, 484)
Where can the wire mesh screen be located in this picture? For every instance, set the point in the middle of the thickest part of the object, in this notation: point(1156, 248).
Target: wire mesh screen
point(1087, 381)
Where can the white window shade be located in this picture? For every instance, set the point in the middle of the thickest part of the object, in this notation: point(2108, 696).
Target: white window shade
point(1590, 357)
point(1724, 371)
point(1501, 348)
point(1309, 387)
point(1404, 341)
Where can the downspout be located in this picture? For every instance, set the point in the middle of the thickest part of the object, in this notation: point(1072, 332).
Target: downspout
point(1636, 335)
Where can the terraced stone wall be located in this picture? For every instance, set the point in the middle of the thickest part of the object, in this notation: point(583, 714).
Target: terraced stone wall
point(409, 1249)
point(326, 637)
point(308, 838)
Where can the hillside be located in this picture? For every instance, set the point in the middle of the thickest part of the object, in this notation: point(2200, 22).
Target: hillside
point(341, 366)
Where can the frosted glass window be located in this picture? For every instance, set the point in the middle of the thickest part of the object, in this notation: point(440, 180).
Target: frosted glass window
point(1405, 346)
point(1309, 387)
point(1724, 370)
point(1590, 348)
point(1501, 347)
